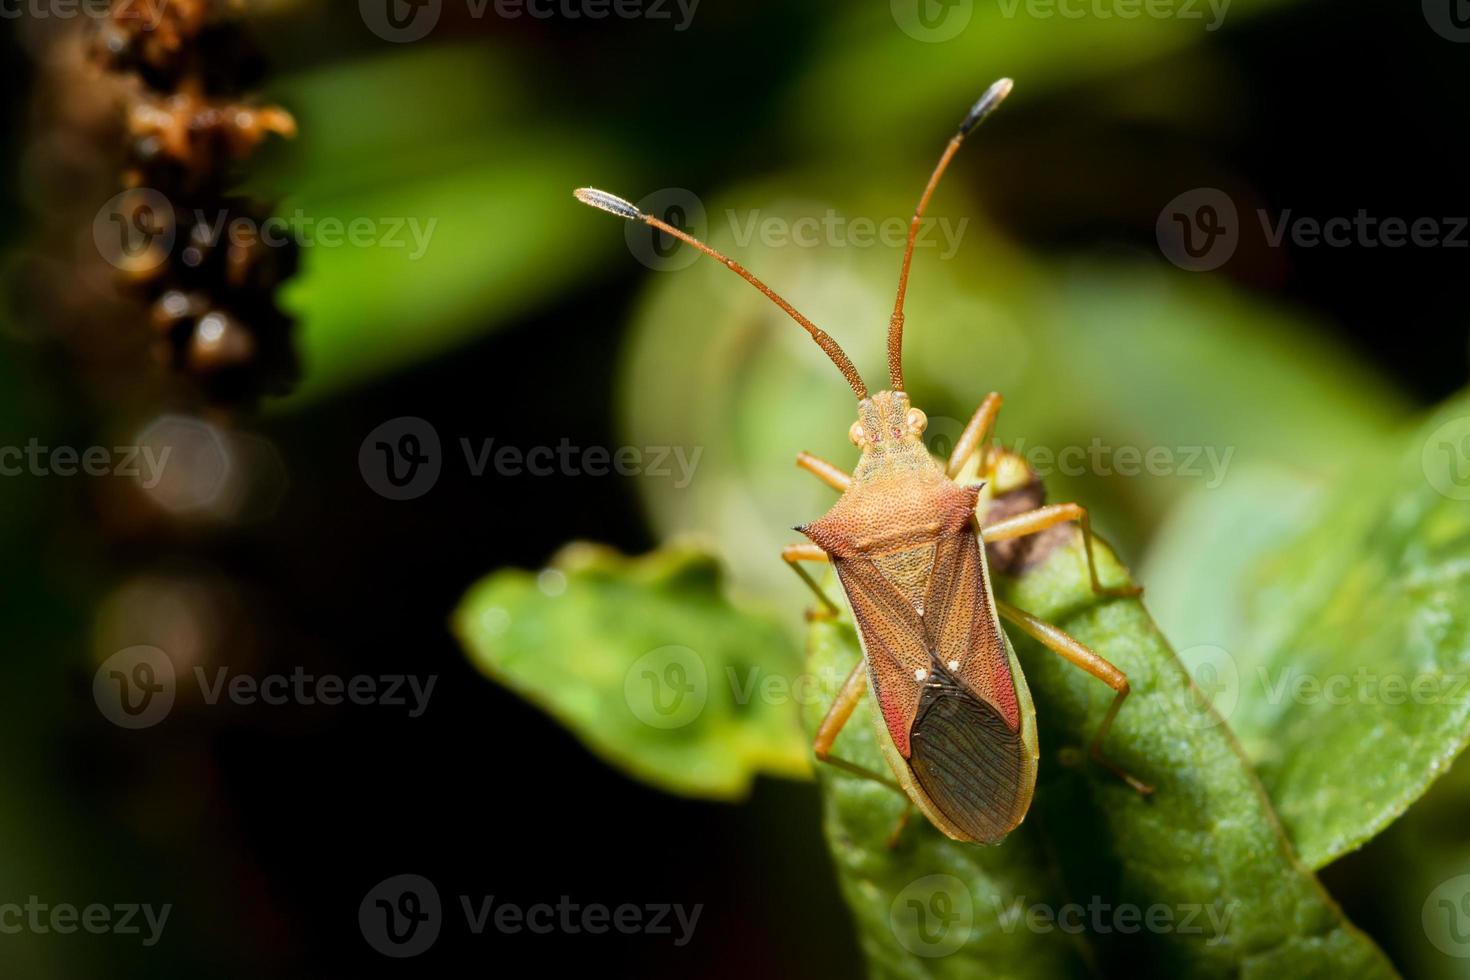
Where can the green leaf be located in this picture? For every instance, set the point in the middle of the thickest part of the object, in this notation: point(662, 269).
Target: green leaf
point(464, 196)
point(1348, 635)
point(1188, 362)
point(1223, 532)
point(1206, 845)
point(648, 662)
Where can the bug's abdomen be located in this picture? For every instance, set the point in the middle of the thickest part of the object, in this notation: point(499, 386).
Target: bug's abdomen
point(971, 763)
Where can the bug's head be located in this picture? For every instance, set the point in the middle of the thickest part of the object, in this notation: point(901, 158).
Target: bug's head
point(885, 421)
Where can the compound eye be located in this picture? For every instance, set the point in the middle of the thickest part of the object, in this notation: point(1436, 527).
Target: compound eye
point(857, 435)
point(918, 421)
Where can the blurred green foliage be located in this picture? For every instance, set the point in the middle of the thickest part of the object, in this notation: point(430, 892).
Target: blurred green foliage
point(458, 190)
point(601, 642)
point(1348, 635)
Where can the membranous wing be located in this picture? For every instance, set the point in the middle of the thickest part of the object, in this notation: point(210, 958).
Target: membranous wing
point(968, 749)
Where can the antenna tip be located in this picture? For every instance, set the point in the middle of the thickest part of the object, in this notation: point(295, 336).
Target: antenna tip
point(986, 104)
point(610, 203)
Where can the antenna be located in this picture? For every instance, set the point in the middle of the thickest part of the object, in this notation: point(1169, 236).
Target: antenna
point(985, 106)
point(613, 204)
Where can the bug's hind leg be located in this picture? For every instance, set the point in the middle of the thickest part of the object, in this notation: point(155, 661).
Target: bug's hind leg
point(1034, 521)
point(1080, 655)
point(792, 555)
point(828, 473)
point(900, 826)
point(836, 719)
point(972, 440)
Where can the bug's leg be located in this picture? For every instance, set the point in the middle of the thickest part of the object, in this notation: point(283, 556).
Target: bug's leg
point(1079, 655)
point(851, 691)
point(792, 555)
point(837, 716)
point(824, 471)
point(1051, 515)
point(975, 434)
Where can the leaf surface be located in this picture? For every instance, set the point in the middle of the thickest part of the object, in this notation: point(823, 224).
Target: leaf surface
point(648, 662)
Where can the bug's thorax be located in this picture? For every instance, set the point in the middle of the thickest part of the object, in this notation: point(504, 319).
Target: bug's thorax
point(900, 498)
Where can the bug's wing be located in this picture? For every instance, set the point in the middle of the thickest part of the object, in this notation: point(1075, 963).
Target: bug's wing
point(893, 642)
point(973, 749)
point(961, 624)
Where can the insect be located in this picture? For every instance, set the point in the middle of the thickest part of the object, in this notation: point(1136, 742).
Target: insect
point(956, 721)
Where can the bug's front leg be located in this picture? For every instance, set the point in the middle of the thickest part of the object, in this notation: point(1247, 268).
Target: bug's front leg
point(972, 440)
point(1034, 521)
point(828, 473)
point(1080, 655)
point(793, 555)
